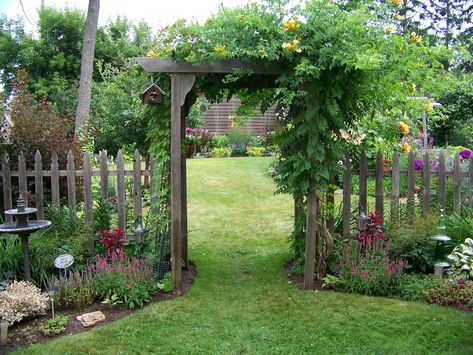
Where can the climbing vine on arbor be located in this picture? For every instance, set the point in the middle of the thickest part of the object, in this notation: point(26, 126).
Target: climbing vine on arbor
point(341, 61)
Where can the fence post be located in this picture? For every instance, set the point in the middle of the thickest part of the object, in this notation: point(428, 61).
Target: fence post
point(136, 184)
point(89, 220)
point(103, 175)
point(71, 181)
point(379, 203)
point(347, 197)
point(411, 181)
point(331, 206)
point(363, 193)
point(121, 190)
point(7, 197)
point(470, 182)
point(311, 230)
point(426, 192)
point(55, 198)
point(442, 176)
point(457, 181)
point(38, 183)
point(395, 190)
point(23, 184)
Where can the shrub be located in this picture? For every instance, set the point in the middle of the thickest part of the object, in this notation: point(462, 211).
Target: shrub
point(255, 151)
point(458, 294)
point(414, 243)
point(415, 287)
point(22, 300)
point(75, 292)
point(220, 141)
point(369, 271)
point(54, 326)
point(462, 259)
point(123, 280)
point(221, 152)
point(103, 212)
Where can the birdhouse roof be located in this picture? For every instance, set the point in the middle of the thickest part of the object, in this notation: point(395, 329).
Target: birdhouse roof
point(151, 87)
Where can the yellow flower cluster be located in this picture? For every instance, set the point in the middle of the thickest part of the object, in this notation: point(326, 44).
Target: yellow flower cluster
point(219, 49)
point(405, 147)
point(151, 54)
point(399, 17)
point(389, 29)
point(291, 25)
point(292, 47)
point(429, 106)
point(403, 128)
point(397, 2)
point(415, 38)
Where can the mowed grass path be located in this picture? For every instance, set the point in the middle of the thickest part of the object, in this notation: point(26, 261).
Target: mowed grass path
point(242, 301)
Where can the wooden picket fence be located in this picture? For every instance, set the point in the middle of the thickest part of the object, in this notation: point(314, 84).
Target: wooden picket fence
point(426, 173)
point(70, 174)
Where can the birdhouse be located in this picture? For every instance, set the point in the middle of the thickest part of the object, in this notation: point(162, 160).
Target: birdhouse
point(153, 95)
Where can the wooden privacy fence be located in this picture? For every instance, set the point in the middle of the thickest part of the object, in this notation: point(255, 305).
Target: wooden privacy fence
point(427, 173)
point(54, 174)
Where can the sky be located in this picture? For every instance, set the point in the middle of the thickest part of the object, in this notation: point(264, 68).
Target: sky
point(157, 13)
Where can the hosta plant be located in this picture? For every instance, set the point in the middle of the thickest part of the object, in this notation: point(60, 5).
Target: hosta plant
point(462, 259)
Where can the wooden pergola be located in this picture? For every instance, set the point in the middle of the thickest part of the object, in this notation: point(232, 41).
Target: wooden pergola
point(182, 81)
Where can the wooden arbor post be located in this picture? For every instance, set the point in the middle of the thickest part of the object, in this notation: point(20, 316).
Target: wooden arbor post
point(181, 84)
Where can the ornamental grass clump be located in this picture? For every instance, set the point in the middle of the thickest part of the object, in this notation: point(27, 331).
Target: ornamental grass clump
point(369, 270)
point(22, 300)
point(123, 279)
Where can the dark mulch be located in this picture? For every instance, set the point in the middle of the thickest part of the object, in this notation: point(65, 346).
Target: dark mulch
point(27, 332)
point(298, 280)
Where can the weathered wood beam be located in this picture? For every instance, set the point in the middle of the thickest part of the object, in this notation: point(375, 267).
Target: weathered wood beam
point(156, 65)
point(181, 84)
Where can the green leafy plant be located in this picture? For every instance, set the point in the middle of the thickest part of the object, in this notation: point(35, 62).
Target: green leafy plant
point(415, 287)
point(331, 281)
point(255, 151)
point(165, 285)
point(462, 259)
point(103, 213)
point(221, 152)
point(459, 227)
point(220, 141)
point(54, 326)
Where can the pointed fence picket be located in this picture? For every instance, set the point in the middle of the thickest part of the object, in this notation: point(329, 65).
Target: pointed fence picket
point(34, 182)
point(427, 175)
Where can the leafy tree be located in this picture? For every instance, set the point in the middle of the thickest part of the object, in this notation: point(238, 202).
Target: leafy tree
point(457, 105)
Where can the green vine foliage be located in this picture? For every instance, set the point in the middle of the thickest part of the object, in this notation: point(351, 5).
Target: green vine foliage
point(342, 63)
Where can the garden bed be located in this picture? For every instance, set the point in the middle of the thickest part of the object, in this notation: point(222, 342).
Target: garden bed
point(27, 332)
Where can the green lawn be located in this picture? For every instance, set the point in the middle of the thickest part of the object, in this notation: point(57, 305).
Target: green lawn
point(242, 301)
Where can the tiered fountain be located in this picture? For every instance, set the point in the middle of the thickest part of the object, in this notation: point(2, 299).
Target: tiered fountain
point(23, 228)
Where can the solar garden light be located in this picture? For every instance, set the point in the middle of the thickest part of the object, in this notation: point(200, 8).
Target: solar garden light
point(51, 299)
point(441, 238)
point(362, 221)
point(3, 331)
point(139, 232)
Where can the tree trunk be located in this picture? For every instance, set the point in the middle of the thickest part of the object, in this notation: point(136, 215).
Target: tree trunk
point(87, 64)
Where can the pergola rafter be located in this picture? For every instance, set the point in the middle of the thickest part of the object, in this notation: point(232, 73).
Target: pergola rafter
point(182, 81)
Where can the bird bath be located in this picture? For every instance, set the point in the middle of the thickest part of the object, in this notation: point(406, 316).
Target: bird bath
point(23, 228)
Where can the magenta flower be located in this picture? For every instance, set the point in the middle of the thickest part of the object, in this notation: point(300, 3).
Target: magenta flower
point(418, 164)
point(465, 154)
